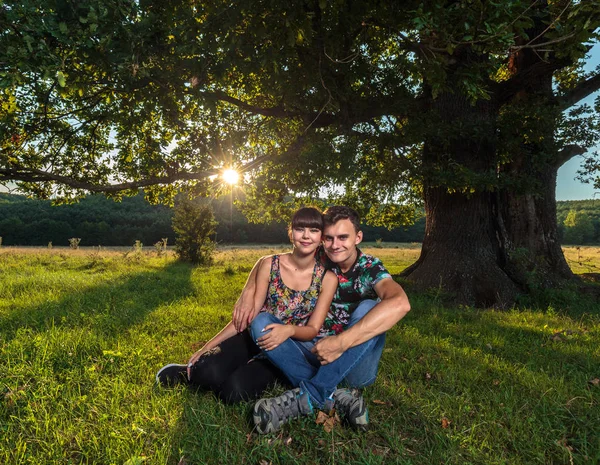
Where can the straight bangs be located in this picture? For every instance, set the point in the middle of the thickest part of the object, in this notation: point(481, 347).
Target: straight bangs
point(308, 217)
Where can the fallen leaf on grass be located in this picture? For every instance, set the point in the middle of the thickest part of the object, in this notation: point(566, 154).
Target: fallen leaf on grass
point(556, 337)
point(248, 438)
point(380, 451)
point(264, 462)
point(327, 421)
point(381, 402)
point(321, 417)
point(287, 442)
point(445, 423)
point(427, 375)
point(496, 382)
point(594, 382)
point(182, 461)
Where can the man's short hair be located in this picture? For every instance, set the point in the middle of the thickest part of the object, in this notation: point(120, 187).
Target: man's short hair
point(340, 212)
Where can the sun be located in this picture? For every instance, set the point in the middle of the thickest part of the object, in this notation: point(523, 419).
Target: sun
point(230, 176)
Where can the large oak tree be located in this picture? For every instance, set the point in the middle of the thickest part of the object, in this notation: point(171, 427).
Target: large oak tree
point(464, 105)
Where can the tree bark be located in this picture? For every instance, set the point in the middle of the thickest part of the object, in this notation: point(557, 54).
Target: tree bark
point(487, 246)
point(463, 252)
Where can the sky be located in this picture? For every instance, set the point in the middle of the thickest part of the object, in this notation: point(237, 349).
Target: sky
point(567, 187)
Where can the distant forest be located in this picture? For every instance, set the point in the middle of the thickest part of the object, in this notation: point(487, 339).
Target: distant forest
point(97, 220)
point(578, 221)
point(101, 221)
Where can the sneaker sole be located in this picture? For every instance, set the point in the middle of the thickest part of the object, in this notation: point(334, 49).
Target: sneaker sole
point(164, 368)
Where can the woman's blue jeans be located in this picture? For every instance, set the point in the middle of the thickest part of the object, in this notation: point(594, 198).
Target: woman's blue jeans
point(357, 367)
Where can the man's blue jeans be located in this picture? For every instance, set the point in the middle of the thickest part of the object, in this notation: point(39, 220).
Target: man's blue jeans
point(357, 367)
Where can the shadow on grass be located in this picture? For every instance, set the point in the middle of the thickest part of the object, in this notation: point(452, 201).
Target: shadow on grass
point(510, 393)
point(109, 308)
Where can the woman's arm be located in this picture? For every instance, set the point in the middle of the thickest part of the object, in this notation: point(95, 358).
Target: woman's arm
point(227, 332)
point(316, 320)
point(280, 332)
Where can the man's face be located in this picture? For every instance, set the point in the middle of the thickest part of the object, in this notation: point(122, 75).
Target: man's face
point(340, 241)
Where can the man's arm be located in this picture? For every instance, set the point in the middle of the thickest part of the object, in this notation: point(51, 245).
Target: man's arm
point(244, 307)
point(393, 307)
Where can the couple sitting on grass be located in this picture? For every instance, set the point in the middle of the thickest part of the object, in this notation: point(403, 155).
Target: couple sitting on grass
point(330, 333)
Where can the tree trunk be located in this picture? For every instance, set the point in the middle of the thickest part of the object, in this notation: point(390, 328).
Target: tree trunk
point(486, 246)
point(536, 256)
point(463, 251)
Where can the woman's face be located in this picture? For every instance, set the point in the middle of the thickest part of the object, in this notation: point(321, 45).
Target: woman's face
point(306, 239)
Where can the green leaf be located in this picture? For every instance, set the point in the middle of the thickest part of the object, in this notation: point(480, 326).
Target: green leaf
point(60, 76)
point(63, 27)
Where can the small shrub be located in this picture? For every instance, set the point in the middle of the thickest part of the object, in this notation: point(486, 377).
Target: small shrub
point(229, 270)
point(161, 246)
point(74, 242)
point(194, 225)
point(0, 241)
point(378, 243)
point(50, 244)
point(137, 247)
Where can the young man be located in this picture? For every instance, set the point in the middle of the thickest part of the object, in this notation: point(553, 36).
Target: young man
point(356, 325)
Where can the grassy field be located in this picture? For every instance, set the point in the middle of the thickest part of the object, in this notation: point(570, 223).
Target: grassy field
point(83, 332)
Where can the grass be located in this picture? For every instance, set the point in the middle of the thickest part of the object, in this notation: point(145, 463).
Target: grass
point(83, 332)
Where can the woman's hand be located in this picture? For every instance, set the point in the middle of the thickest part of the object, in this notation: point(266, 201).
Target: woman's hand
point(193, 359)
point(278, 333)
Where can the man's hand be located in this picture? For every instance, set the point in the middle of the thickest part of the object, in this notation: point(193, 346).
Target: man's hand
point(277, 334)
point(328, 349)
point(243, 312)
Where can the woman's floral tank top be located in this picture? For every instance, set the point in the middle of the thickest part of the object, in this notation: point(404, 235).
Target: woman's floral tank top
point(290, 306)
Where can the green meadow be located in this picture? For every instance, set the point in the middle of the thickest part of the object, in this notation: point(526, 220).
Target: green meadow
point(83, 332)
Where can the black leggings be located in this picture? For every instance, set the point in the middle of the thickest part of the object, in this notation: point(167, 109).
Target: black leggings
point(231, 372)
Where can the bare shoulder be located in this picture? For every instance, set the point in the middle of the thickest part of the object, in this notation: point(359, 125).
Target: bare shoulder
point(330, 277)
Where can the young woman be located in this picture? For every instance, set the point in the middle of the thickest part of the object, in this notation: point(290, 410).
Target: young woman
point(293, 292)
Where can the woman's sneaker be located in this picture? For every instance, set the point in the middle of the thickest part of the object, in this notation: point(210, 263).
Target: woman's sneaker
point(172, 374)
point(351, 406)
point(271, 414)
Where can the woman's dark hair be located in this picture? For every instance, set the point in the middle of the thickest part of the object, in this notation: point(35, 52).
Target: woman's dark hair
point(307, 217)
point(336, 213)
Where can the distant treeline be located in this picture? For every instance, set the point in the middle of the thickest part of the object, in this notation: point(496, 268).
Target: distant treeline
point(97, 220)
point(579, 221)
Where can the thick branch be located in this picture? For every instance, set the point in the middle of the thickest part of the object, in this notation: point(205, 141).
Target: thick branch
point(581, 91)
point(40, 176)
point(372, 108)
point(568, 152)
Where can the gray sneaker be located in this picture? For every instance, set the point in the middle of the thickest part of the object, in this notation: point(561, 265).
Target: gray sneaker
point(271, 414)
point(351, 406)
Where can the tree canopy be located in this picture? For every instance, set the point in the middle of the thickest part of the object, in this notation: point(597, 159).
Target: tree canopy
point(465, 105)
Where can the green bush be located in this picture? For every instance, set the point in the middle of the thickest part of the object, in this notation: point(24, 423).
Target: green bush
point(194, 225)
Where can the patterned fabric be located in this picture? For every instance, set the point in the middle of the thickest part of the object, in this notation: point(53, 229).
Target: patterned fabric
point(356, 285)
point(290, 306)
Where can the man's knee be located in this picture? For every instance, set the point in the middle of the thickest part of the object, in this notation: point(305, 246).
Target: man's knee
point(363, 308)
point(260, 321)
